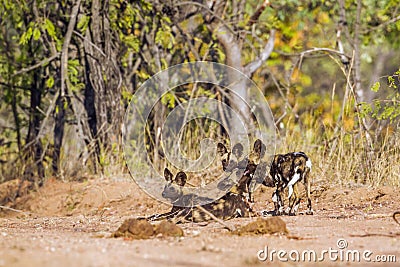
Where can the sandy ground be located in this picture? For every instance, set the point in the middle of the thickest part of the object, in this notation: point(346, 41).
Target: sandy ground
point(70, 224)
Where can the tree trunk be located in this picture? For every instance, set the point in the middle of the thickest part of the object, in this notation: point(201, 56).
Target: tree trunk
point(89, 102)
point(35, 148)
point(103, 80)
point(233, 45)
point(58, 132)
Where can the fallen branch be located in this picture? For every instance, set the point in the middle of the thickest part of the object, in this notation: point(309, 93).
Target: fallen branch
point(11, 209)
point(375, 234)
point(295, 237)
point(230, 228)
point(394, 216)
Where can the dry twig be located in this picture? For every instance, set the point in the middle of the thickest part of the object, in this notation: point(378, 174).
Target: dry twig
point(394, 216)
point(11, 209)
point(230, 228)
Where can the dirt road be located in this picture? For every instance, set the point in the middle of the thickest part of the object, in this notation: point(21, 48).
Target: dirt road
point(69, 224)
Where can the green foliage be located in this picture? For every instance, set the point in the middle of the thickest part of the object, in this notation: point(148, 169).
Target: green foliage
point(375, 88)
point(132, 42)
point(164, 35)
point(74, 74)
point(387, 108)
point(50, 82)
point(26, 36)
point(168, 99)
point(304, 90)
point(83, 23)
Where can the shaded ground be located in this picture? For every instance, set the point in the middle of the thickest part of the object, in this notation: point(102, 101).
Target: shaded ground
point(70, 224)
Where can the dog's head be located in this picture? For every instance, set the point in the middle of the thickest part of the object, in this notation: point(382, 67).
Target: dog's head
point(258, 152)
point(173, 189)
point(229, 159)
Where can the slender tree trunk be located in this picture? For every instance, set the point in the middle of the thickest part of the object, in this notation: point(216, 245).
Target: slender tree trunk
point(357, 54)
point(62, 103)
point(359, 95)
point(89, 102)
point(58, 132)
point(16, 118)
point(35, 150)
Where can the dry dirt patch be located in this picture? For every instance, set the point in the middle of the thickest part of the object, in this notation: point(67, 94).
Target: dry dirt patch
point(70, 224)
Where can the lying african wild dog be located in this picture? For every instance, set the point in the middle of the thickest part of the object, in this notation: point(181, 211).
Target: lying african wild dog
point(246, 184)
point(227, 207)
point(285, 170)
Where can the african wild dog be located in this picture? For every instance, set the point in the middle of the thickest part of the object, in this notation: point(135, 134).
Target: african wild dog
point(184, 205)
point(287, 171)
point(246, 166)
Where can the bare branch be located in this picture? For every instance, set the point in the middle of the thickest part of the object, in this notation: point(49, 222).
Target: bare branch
point(90, 42)
point(258, 12)
point(37, 65)
point(67, 40)
point(343, 22)
point(268, 48)
point(315, 50)
point(221, 20)
point(393, 20)
point(341, 25)
point(14, 86)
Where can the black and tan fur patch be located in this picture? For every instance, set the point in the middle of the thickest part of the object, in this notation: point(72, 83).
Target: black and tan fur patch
point(287, 170)
point(184, 205)
point(245, 168)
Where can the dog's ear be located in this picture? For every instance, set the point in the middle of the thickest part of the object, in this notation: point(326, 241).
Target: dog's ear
point(237, 150)
point(257, 146)
point(221, 149)
point(168, 175)
point(180, 178)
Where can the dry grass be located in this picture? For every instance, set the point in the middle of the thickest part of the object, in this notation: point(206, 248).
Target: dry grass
point(346, 160)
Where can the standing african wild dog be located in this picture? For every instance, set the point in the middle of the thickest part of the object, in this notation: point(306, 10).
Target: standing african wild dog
point(245, 184)
point(184, 205)
point(287, 171)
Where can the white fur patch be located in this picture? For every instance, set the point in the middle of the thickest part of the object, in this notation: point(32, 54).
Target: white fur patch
point(294, 180)
point(296, 207)
point(308, 163)
point(290, 191)
point(274, 197)
point(287, 210)
point(239, 212)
